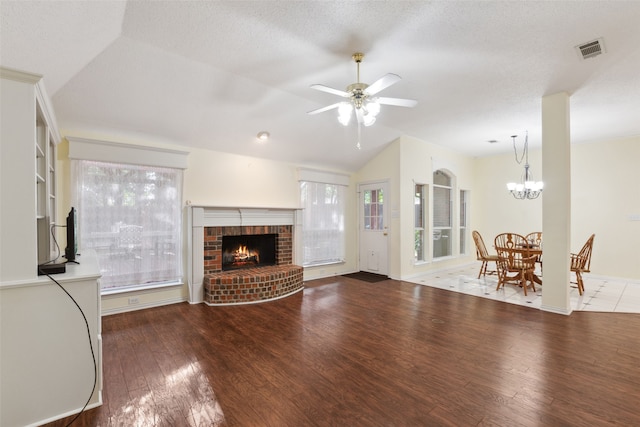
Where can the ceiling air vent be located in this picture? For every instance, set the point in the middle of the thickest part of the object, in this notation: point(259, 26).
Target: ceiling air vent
point(591, 49)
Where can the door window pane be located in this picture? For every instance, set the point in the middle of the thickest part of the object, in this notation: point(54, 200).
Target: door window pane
point(373, 209)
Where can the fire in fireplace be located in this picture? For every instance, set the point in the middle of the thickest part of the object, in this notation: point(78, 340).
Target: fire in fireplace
point(248, 251)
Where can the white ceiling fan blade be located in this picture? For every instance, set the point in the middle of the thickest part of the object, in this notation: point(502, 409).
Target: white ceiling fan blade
point(398, 102)
point(382, 83)
point(323, 109)
point(331, 90)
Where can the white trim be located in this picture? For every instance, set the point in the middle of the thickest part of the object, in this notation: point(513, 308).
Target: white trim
point(323, 263)
point(556, 310)
point(41, 94)
point(229, 217)
point(438, 163)
point(116, 152)
point(19, 76)
point(68, 413)
point(143, 287)
point(313, 175)
point(124, 309)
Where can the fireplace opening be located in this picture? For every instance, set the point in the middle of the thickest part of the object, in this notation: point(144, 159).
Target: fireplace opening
point(248, 251)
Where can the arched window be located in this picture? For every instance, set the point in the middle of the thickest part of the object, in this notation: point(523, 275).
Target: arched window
point(442, 214)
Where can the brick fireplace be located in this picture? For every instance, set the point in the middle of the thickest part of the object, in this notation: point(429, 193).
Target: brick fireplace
point(213, 243)
point(215, 285)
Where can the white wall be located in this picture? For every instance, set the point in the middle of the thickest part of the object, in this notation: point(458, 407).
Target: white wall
point(605, 192)
point(221, 179)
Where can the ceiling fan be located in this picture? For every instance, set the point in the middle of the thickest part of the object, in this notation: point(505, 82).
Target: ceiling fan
point(361, 98)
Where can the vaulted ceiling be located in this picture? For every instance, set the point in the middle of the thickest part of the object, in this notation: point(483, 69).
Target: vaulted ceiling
point(212, 74)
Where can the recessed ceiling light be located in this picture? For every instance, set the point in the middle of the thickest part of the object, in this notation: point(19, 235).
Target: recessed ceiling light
point(492, 141)
point(263, 136)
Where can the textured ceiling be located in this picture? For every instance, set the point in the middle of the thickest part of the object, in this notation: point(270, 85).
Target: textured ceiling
point(213, 74)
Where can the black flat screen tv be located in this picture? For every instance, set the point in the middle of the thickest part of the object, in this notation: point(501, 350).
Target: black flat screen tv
point(71, 250)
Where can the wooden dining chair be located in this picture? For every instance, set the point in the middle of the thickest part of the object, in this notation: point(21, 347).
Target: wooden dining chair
point(483, 255)
point(535, 238)
point(514, 257)
point(581, 263)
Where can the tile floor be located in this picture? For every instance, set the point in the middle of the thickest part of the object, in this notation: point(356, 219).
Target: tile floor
point(601, 293)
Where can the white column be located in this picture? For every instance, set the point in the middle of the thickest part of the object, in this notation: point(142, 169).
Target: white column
point(196, 287)
point(556, 202)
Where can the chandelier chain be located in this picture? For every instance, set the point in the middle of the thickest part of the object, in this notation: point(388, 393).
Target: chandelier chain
point(526, 149)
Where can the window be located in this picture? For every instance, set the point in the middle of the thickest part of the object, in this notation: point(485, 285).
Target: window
point(442, 218)
point(463, 221)
point(131, 216)
point(373, 209)
point(419, 203)
point(323, 223)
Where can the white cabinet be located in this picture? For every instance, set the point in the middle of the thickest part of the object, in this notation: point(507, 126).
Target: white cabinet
point(47, 355)
point(28, 138)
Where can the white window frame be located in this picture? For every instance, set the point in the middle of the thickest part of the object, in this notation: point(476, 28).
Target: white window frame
point(127, 154)
point(439, 229)
point(420, 223)
point(323, 230)
point(464, 221)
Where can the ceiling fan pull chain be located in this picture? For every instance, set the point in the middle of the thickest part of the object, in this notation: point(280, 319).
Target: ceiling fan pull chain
point(359, 136)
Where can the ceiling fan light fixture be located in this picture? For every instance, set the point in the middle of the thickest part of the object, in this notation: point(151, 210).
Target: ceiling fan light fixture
point(368, 119)
point(344, 113)
point(373, 108)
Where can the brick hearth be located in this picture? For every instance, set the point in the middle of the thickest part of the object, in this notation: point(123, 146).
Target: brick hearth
point(252, 284)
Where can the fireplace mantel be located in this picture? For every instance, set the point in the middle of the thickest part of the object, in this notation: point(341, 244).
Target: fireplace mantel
point(199, 217)
point(219, 217)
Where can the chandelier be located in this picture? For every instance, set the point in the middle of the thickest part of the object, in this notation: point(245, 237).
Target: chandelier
point(527, 188)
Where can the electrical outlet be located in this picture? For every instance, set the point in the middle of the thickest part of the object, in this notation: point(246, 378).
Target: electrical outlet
point(133, 300)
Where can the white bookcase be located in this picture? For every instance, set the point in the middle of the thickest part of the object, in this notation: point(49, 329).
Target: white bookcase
point(46, 365)
point(45, 186)
point(29, 136)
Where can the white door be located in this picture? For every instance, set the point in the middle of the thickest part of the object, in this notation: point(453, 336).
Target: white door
point(373, 212)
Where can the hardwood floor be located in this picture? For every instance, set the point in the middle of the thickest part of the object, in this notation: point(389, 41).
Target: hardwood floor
point(350, 353)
